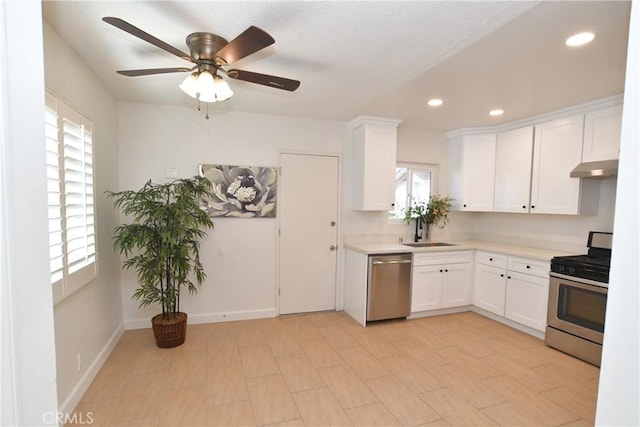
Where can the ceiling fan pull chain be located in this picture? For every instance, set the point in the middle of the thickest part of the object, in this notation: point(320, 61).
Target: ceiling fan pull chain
point(207, 115)
point(198, 103)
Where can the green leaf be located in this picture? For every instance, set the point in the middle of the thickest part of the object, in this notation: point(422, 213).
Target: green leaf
point(162, 241)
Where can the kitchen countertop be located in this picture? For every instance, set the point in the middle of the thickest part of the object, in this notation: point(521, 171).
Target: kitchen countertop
point(513, 250)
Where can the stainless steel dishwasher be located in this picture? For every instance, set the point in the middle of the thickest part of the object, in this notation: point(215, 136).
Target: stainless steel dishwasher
point(389, 286)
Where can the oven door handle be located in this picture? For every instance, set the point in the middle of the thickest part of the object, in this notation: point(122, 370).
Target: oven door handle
point(587, 284)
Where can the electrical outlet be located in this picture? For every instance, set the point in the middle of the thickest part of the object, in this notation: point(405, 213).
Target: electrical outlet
point(79, 360)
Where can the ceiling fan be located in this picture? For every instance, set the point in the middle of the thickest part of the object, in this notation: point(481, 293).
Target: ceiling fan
point(210, 53)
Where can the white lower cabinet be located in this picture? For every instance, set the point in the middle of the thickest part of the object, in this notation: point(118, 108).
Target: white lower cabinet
point(526, 301)
point(441, 280)
point(513, 287)
point(489, 288)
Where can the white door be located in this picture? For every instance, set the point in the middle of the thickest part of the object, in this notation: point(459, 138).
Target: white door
point(308, 214)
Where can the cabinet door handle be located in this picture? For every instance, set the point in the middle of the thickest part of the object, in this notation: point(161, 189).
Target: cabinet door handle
point(490, 259)
point(446, 271)
point(528, 266)
point(533, 207)
point(440, 270)
point(502, 275)
point(524, 207)
point(464, 206)
point(508, 277)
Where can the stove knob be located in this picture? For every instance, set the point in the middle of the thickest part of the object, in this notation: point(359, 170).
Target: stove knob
point(571, 270)
point(560, 268)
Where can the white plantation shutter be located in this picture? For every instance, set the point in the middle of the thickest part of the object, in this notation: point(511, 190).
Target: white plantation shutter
point(72, 241)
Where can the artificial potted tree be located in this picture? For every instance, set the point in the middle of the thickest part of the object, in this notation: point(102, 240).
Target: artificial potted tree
point(162, 245)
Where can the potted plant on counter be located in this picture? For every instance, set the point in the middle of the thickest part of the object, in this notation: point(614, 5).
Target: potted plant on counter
point(162, 245)
point(434, 212)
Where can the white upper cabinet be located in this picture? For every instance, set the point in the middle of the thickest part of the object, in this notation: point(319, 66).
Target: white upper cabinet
point(602, 134)
point(471, 172)
point(374, 163)
point(557, 150)
point(513, 170)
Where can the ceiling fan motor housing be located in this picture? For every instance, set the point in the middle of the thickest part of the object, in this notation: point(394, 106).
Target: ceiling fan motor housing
point(204, 46)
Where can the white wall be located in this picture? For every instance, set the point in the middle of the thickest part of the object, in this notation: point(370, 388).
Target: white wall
point(558, 232)
point(619, 388)
point(88, 322)
point(27, 357)
point(239, 255)
point(414, 146)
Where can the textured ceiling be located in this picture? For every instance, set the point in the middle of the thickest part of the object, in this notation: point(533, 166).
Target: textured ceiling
point(382, 58)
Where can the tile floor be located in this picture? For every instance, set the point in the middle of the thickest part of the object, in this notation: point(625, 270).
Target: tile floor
point(324, 369)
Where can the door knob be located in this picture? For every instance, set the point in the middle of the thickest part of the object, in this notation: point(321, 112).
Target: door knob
point(333, 247)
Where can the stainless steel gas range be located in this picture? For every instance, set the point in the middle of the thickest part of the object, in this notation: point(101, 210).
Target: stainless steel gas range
point(578, 288)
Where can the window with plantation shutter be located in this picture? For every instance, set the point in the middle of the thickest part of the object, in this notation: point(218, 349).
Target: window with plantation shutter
point(72, 241)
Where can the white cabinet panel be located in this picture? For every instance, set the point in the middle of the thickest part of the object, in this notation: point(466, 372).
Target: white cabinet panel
point(557, 150)
point(489, 288)
point(374, 164)
point(513, 170)
point(426, 288)
point(517, 290)
point(440, 280)
point(456, 285)
point(602, 134)
point(526, 301)
point(472, 164)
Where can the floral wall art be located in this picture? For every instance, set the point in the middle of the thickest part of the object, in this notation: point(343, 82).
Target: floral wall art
point(241, 191)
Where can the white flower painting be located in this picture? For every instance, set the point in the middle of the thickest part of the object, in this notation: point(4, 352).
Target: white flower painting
point(241, 191)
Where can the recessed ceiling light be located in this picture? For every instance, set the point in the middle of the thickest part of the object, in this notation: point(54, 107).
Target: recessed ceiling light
point(435, 102)
point(496, 112)
point(580, 39)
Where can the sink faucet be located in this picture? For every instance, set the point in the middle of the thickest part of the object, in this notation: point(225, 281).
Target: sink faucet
point(417, 236)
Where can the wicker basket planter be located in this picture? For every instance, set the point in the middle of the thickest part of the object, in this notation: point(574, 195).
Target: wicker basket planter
point(169, 331)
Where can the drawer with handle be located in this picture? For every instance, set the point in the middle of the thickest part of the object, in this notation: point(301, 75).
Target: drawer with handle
point(491, 258)
point(529, 266)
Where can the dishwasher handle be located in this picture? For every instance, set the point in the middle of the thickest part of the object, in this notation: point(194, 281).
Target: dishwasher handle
point(392, 261)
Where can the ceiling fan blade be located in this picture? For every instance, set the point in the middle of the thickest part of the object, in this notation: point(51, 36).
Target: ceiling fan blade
point(135, 31)
point(264, 79)
point(148, 71)
point(250, 41)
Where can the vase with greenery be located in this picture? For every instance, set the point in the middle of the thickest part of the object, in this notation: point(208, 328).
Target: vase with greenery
point(162, 245)
point(434, 212)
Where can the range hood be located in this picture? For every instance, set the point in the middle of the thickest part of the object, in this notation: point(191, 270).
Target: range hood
point(599, 169)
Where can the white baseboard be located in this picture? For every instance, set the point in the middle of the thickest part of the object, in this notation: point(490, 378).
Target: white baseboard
point(477, 310)
point(439, 312)
point(522, 328)
point(208, 318)
point(82, 386)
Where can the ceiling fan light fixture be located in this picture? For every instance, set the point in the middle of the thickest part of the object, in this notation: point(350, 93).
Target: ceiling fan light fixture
point(223, 91)
point(206, 87)
point(190, 85)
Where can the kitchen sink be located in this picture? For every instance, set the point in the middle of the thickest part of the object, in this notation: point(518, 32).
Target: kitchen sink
point(428, 244)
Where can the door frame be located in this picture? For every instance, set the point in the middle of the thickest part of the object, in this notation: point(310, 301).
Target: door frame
point(339, 274)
